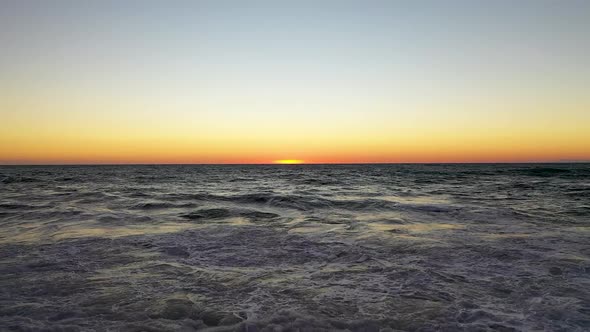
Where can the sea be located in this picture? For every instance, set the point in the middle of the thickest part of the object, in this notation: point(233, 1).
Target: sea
point(383, 247)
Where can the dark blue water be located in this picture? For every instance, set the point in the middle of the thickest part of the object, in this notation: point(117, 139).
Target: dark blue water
point(295, 247)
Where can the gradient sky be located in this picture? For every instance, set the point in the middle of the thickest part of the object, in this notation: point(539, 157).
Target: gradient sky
point(319, 81)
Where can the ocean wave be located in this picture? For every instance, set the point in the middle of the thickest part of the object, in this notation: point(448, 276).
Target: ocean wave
point(207, 214)
point(160, 205)
point(18, 179)
point(14, 206)
point(221, 213)
point(544, 171)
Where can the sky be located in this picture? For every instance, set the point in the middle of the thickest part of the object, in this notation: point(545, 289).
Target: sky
point(313, 81)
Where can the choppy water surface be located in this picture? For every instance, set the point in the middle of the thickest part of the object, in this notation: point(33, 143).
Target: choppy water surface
point(341, 247)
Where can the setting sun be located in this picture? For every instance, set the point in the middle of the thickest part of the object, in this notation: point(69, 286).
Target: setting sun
point(288, 161)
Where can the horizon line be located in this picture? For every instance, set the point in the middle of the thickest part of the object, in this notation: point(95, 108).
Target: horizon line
point(303, 164)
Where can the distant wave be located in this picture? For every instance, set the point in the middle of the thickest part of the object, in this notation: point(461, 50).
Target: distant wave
point(18, 179)
point(544, 171)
